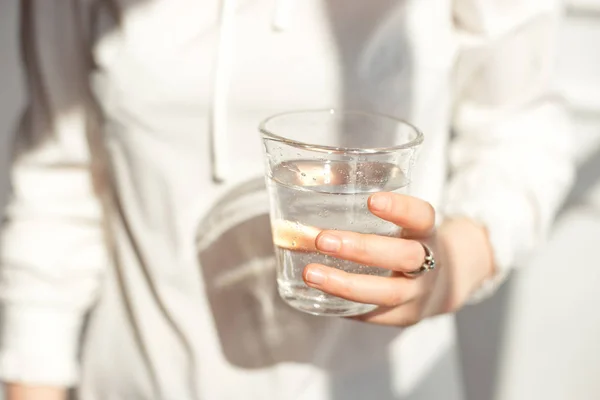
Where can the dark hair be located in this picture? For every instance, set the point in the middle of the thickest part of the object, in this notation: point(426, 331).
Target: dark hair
point(37, 122)
point(30, 132)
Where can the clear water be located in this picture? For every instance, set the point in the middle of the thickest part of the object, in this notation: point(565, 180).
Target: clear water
point(309, 196)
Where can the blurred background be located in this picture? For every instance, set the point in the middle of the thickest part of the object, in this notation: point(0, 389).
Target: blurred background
point(539, 337)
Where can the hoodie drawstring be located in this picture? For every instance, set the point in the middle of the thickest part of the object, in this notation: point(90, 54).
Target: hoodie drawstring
point(223, 69)
point(221, 81)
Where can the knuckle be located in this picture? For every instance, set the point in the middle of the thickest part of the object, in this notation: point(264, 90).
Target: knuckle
point(420, 212)
point(430, 210)
point(430, 216)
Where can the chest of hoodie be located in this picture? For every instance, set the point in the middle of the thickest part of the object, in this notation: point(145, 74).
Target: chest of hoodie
point(158, 64)
point(156, 78)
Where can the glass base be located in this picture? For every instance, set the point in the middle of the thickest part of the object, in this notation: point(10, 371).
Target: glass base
point(324, 305)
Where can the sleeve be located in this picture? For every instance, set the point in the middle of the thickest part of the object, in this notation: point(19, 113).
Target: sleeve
point(510, 159)
point(52, 247)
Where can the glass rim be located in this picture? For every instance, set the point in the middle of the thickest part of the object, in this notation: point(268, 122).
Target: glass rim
point(268, 134)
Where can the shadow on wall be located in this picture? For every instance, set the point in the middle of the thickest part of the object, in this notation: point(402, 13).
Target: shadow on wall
point(480, 332)
point(588, 177)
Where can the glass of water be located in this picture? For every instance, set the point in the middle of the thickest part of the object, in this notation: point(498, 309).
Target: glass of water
point(321, 167)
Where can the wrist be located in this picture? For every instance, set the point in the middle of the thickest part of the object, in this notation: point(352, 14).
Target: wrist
point(467, 255)
point(15, 391)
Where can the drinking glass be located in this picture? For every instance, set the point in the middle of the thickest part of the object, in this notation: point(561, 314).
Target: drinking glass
point(321, 168)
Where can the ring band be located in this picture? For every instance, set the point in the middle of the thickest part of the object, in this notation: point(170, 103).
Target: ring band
point(428, 263)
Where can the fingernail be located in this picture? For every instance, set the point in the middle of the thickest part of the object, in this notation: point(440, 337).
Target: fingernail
point(315, 276)
point(379, 202)
point(329, 243)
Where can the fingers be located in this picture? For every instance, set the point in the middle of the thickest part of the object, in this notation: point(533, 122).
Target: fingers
point(396, 254)
point(416, 216)
point(368, 289)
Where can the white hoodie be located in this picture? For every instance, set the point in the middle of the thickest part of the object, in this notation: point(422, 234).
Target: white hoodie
point(183, 305)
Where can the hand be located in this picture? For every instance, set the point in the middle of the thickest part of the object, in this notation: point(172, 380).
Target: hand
point(14, 391)
point(461, 249)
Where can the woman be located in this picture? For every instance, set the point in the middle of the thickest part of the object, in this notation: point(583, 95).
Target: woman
point(170, 317)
